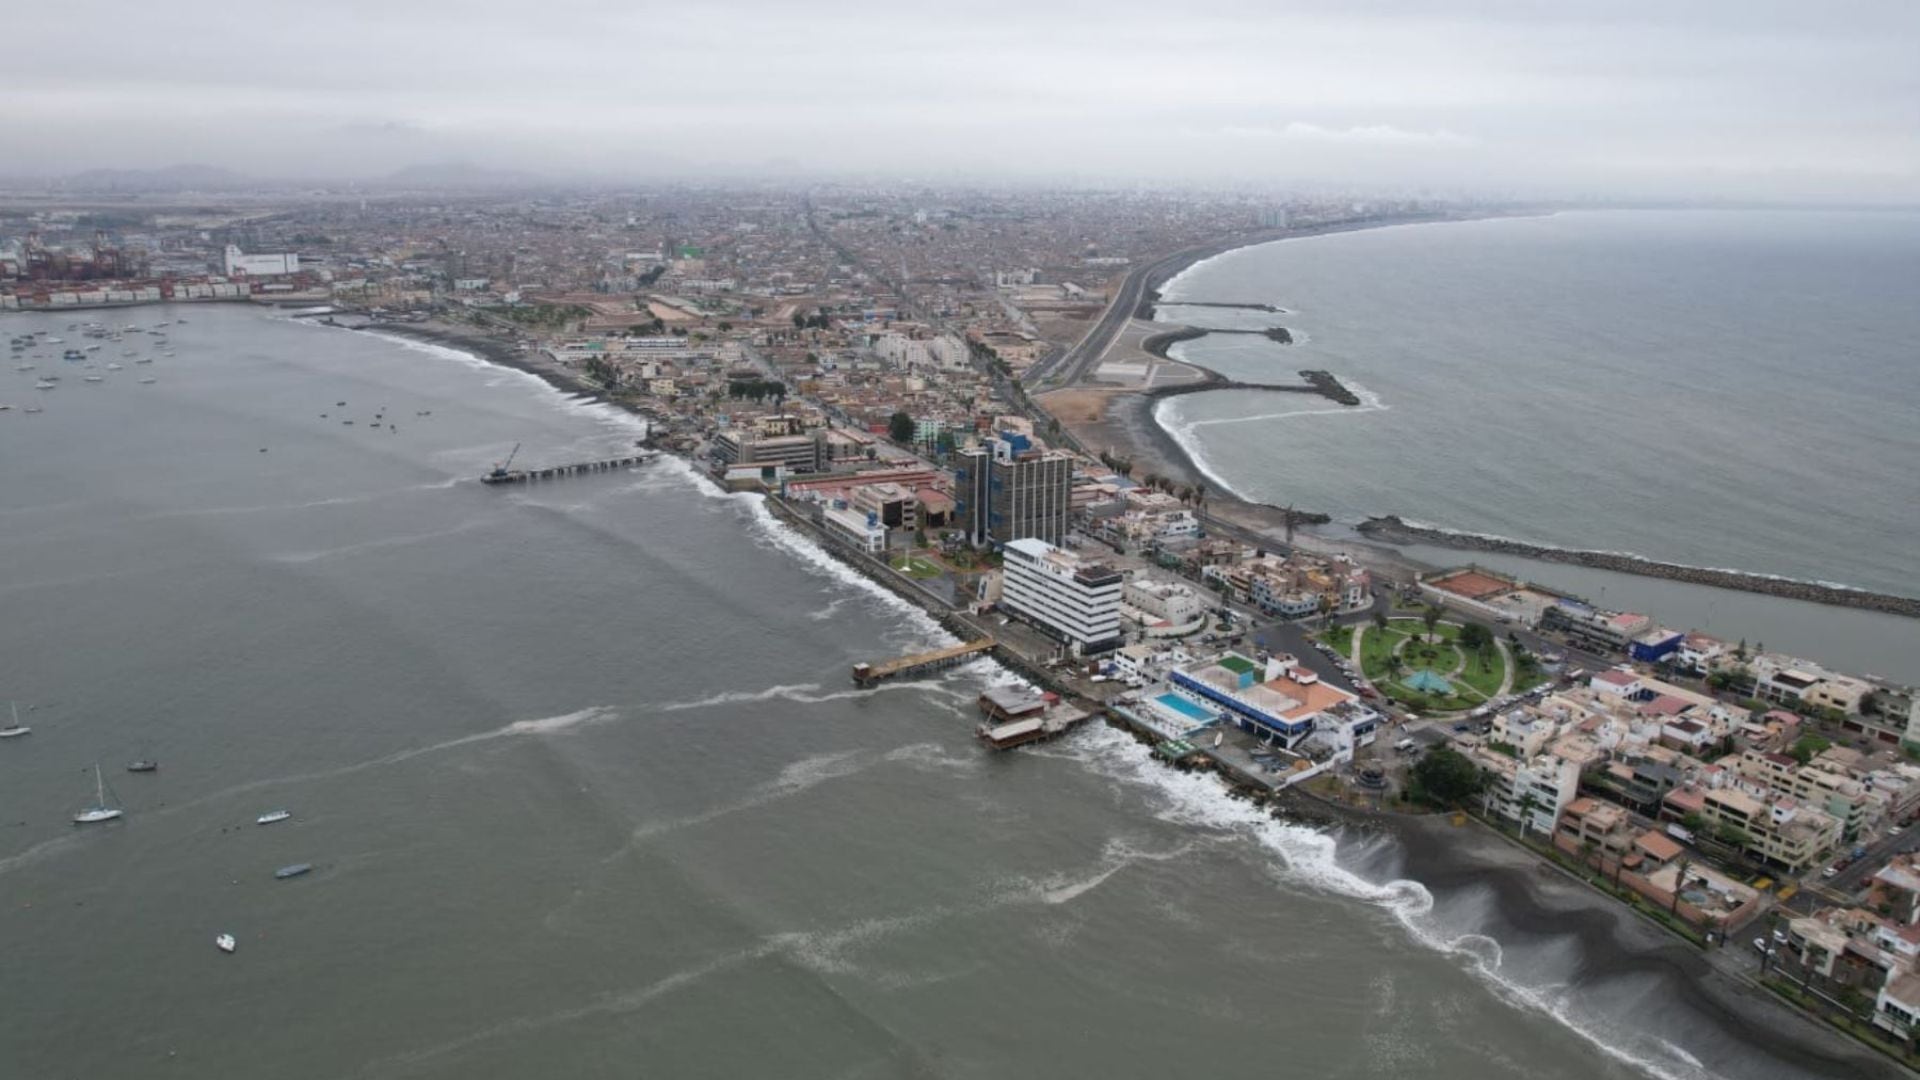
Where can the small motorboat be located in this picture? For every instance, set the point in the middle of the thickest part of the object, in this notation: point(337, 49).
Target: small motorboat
point(148, 381)
point(143, 765)
point(225, 943)
point(272, 816)
point(293, 871)
point(96, 378)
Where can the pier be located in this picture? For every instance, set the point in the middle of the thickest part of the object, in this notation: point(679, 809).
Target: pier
point(505, 475)
point(865, 675)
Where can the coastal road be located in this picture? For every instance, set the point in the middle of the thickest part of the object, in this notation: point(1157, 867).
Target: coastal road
point(1073, 364)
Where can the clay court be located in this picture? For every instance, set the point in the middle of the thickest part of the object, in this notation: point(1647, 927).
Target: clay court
point(1472, 584)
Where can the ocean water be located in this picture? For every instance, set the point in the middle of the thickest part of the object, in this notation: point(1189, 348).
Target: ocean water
point(588, 792)
point(1717, 388)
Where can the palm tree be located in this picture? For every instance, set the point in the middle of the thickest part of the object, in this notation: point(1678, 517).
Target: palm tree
point(1431, 616)
point(1527, 805)
point(1679, 882)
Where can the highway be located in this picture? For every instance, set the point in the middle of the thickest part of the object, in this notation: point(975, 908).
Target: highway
point(1072, 365)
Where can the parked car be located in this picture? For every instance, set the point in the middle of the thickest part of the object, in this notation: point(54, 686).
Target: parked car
point(1831, 871)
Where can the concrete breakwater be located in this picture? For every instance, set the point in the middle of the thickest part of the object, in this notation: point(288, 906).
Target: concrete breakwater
point(1390, 529)
point(1153, 300)
point(1158, 344)
point(1323, 383)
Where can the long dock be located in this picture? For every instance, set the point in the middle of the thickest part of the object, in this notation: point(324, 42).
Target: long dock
point(527, 476)
point(870, 674)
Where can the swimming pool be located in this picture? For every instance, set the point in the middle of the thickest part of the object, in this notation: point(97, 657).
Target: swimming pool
point(1186, 708)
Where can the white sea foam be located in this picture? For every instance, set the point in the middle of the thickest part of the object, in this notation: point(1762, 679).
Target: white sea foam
point(1117, 856)
point(796, 778)
point(1307, 857)
point(548, 725)
point(800, 693)
point(1167, 414)
point(369, 545)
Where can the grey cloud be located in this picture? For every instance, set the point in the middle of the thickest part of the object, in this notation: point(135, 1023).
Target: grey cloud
point(1638, 98)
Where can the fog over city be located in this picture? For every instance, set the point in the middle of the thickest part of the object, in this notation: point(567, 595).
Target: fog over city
point(1631, 99)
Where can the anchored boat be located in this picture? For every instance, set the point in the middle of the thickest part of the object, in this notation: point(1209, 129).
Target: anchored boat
point(101, 810)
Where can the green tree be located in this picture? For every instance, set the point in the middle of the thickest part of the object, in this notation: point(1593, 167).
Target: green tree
point(900, 428)
point(1380, 620)
point(1808, 747)
point(1445, 777)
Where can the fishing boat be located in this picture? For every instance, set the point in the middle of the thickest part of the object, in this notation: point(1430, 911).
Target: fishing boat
point(35, 408)
point(43, 385)
point(101, 810)
point(96, 378)
point(292, 871)
point(143, 765)
point(272, 816)
point(225, 943)
point(14, 728)
point(148, 381)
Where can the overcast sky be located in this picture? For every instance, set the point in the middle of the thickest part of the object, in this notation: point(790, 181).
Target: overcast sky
point(1736, 98)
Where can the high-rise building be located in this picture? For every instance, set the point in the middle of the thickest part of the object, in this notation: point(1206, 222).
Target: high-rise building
point(1005, 490)
point(1074, 601)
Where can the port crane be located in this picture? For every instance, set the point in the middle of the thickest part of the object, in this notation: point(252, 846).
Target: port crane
point(500, 471)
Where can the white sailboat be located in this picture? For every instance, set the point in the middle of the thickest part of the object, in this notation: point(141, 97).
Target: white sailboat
point(15, 729)
point(99, 811)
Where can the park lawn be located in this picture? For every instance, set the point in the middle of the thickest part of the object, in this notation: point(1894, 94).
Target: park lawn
point(1444, 659)
point(1486, 681)
point(1339, 639)
point(1375, 646)
point(917, 567)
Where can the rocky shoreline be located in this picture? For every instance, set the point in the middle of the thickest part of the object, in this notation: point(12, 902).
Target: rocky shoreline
point(1391, 529)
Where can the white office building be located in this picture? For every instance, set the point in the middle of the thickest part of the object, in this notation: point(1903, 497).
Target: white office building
point(234, 262)
point(1072, 600)
point(859, 528)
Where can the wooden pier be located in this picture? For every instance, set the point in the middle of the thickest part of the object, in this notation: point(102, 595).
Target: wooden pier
point(527, 476)
point(870, 674)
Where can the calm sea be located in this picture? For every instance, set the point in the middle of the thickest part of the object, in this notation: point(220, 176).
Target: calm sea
point(1717, 388)
point(587, 792)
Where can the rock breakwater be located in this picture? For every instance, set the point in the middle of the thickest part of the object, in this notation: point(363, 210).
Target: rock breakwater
point(1391, 529)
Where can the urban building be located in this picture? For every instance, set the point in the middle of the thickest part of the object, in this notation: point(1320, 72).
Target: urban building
point(1005, 490)
point(1276, 701)
point(1072, 600)
point(234, 262)
point(860, 529)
